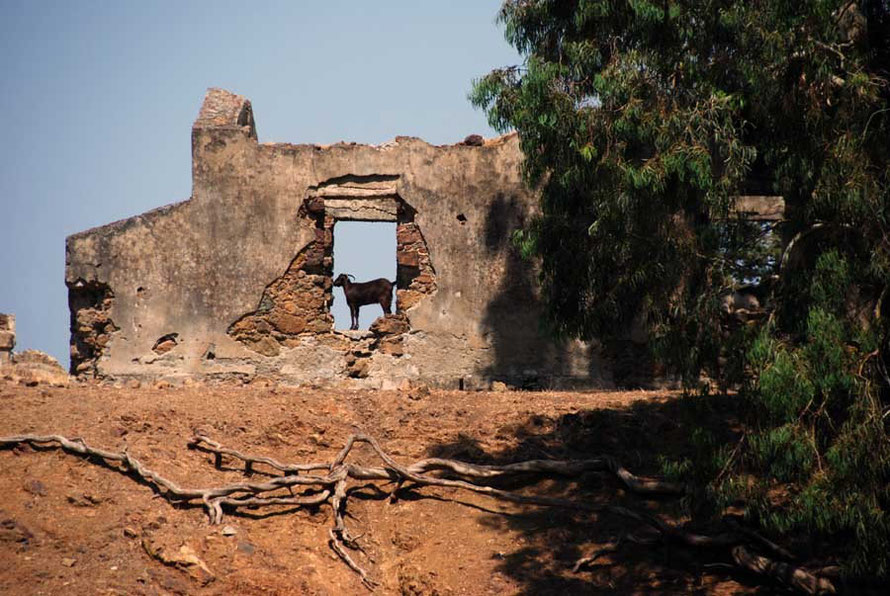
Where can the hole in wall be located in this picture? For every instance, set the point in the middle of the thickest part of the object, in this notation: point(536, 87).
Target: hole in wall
point(461, 218)
point(165, 343)
point(366, 250)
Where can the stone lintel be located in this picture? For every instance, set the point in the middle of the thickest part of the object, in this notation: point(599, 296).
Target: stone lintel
point(357, 192)
point(362, 209)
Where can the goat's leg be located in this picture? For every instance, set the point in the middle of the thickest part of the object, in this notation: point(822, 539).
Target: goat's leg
point(386, 303)
point(353, 314)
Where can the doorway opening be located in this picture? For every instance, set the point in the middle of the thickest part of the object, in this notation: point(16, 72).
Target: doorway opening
point(366, 250)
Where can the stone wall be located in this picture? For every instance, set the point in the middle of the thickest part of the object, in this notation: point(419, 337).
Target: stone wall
point(236, 281)
point(7, 338)
point(29, 367)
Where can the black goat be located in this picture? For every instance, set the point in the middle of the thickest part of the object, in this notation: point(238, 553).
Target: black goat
point(378, 291)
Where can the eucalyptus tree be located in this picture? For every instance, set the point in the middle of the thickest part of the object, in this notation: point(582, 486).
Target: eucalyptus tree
point(641, 122)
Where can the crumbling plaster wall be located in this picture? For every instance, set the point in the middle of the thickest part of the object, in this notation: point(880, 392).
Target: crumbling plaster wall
point(7, 338)
point(172, 282)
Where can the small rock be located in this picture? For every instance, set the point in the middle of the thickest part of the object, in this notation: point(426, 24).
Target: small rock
point(12, 531)
point(134, 384)
point(85, 500)
point(390, 324)
point(360, 369)
point(499, 386)
point(419, 392)
point(195, 567)
point(35, 487)
point(229, 531)
point(68, 562)
point(130, 533)
point(186, 559)
point(474, 141)
point(246, 548)
point(392, 346)
point(317, 439)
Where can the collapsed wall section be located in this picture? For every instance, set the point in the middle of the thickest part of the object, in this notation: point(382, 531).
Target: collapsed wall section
point(296, 303)
point(91, 326)
point(415, 275)
point(296, 306)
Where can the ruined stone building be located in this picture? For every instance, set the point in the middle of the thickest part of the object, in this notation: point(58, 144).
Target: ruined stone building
point(237, 280)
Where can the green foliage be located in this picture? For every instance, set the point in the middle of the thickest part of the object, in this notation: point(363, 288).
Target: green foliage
point(640, 121)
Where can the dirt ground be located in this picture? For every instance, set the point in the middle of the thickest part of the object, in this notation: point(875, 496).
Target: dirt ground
point(72, 525)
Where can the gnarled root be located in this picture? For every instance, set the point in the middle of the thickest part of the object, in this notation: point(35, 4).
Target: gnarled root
point(328, 483)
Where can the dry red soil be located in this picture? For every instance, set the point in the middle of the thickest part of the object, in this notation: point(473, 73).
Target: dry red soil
point(71, 525)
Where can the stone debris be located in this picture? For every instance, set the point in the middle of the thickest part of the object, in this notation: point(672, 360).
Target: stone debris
point(32, 367)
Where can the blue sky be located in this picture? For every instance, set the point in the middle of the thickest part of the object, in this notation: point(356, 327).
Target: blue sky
point(98, 98)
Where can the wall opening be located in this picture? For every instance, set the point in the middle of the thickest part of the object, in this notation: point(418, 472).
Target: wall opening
point(366, 250)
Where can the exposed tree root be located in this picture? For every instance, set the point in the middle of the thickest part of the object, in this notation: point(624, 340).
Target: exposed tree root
point(798, 578)
point(785, 573)
point(328, 482)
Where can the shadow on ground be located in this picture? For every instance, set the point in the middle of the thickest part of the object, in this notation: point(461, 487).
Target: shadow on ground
point(552, 540)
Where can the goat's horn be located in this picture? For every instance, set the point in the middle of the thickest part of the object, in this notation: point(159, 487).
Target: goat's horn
point(351, 276)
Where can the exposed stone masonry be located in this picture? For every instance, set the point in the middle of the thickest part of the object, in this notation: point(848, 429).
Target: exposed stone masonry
point(298, 303)
point(7, 338)
point(294, 304)
point(416, 276)
point(91, 325)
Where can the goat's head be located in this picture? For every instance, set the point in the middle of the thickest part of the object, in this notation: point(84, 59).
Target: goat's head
point(343, 279)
